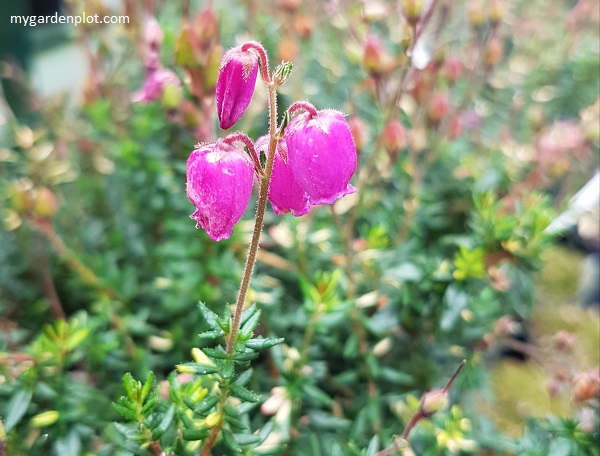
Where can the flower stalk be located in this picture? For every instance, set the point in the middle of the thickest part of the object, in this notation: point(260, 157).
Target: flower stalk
point(219, 180)
point(258, 222)
point(250, 260)
point(243, 138)
point(262, 59)
point(431, 402)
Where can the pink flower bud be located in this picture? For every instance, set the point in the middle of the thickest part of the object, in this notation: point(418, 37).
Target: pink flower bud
point(438, 108)
point(322, 155)
point(453, 68)
point(456, 127)
point(219, 184)
point(494, 52)
point(359, 132)
point(373, 54)
point(152, 39)
point(45, 203)
point(433, 401)
point(235, 85)
point(394, 137)
point(285, 192)
point(156, 82)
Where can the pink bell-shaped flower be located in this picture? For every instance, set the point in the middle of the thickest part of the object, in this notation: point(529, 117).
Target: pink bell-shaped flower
point(285, 192)
point(235, 85)
point(219, 183)
point(321, 155)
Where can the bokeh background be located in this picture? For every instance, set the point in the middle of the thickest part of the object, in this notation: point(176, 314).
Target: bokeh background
point(473, 235)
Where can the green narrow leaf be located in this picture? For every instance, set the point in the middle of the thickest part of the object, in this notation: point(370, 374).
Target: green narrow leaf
point(284, 121)
point(149, 406)
point(228, 370)
point(317, 394)
point(218, 353)
point(373, 410)
point(262, 344)
point(51, 333)
point(373, 364)
point(232, 411)
point(209, 317)
point(248, 313)
point(373, 446)
point(130, 387)
point(243, 393)
point(211, 335)
point(17, 407)
point(206, 404)
point(198, 369)
point(315, 445)
point(235, 423)
point(223, 324)
point(233, 417)
point(164, 424)
point(190, 403)
point(247, 439)
point(70, 444)
point(187, 420)
point(76, 338)
point(128, 433)
point(244, 377)
point(250, 325)
point(126, 412)
point(245, 355)
point(397, 377)
point(264, 431)
point(147, 386)
point(351, 347)
point(194, 434)
point(230, 442)
point(263, 158)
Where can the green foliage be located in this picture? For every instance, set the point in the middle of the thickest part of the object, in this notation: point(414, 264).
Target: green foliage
point(195, 403)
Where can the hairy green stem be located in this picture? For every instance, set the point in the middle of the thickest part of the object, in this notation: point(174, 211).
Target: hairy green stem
point(258, 222)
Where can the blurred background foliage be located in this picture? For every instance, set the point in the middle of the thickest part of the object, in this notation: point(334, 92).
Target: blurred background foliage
point(471, 141)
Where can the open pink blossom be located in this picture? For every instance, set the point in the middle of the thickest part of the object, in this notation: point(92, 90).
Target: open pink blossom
point(219, 184)
point(285, 194)
point(321, 155)
point(235, 85)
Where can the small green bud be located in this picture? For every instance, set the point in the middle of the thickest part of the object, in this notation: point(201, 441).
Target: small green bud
point(211, 70)
point(495, 12)
point(201, 358)
point(282, 72)
point(412, 9)
point(476, 13)
point(45, 419)
point(172, 96)
point(184, 53)
point(213, 419)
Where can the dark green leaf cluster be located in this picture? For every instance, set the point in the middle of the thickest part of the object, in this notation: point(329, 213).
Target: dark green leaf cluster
point(208, 395)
